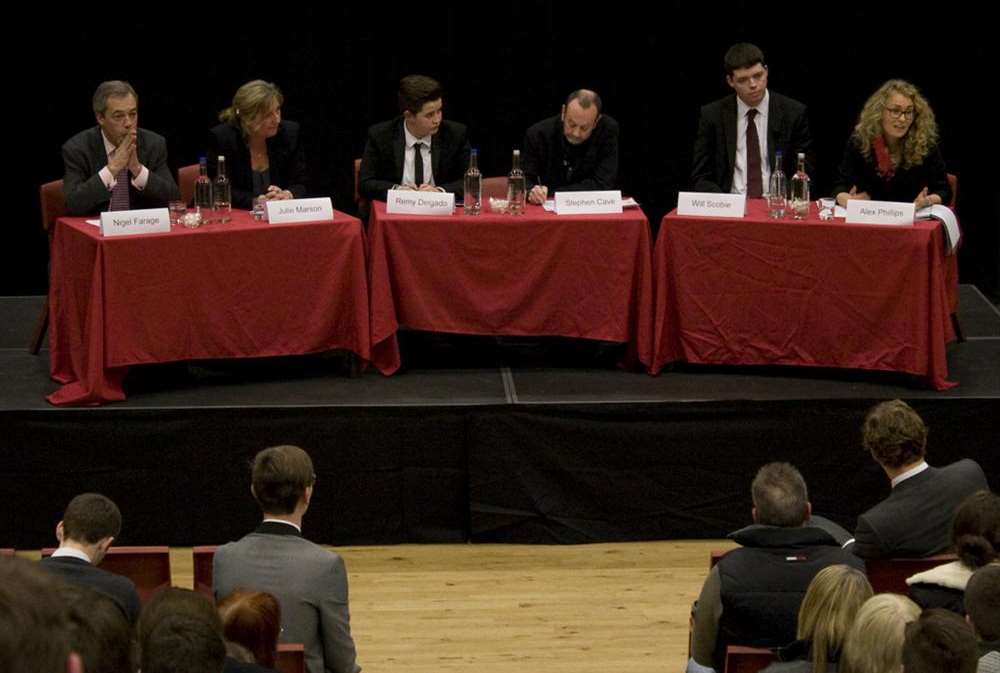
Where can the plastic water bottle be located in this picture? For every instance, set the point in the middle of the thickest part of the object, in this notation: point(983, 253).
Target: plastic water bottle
point(223, 200)
point(473, 199)
point(203, 191)
point(777, 190)
point(515, 186)
point(800, 190)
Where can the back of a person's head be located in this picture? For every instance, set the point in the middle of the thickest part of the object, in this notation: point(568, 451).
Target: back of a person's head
point(90, 518)
point(780, 495)
point(874, 643)
point(940, 642)
point(99, 631)
point(280, 477)
point(179, 631)
point(975, 530)
point(894, 434)
point(253, 620)
point(828, 610)
point(982, 602)
point(34, 625)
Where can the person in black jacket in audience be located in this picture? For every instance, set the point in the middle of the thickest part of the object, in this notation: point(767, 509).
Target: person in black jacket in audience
point(982, 609)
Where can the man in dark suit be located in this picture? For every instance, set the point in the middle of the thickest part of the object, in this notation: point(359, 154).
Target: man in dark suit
point(576, 150)
point(309, 582)
point(418, 150)
point(116, 165)
point(89, 525)
point(915, 520)
point(733, 155)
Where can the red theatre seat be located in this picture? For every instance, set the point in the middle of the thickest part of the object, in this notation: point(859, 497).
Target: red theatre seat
point(291, 658)
point(889, 575)
point(741, 659)
point(203, 557)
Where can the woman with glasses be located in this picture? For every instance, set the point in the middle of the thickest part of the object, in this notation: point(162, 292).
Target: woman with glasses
point(893, 153)
point(263, 152)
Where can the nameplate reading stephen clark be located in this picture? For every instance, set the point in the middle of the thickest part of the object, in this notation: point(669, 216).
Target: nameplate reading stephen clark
point(708, 204)
point(403, 202)
point(300, 210)
point(131, 222)
point(892, 213)
point(588, 203)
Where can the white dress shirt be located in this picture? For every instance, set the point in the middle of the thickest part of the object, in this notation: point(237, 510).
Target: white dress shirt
point(425, 152)
point(740, 170)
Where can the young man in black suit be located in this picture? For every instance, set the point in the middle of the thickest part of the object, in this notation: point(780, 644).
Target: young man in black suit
point(733, 155)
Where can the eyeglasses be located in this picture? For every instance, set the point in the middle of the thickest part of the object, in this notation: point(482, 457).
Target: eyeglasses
point(899, 113)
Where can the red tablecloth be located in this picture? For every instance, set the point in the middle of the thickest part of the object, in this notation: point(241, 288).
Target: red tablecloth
point(242, 289)
point(538, 274)
point(810, 293)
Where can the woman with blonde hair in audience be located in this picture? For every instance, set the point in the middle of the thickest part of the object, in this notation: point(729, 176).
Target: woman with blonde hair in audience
point(875, 642)
point(252, 620)
point(834, 597)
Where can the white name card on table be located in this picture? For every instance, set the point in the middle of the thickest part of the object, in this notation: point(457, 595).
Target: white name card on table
point(405, 202)
point(891, 213)
point(129, 222)
point(709, 204)
point(299, 210)
point(588, 203)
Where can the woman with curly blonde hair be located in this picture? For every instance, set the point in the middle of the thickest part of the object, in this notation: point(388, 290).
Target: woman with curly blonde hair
point(893, 153)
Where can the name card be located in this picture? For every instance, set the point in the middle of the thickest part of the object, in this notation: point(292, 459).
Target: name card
point(588, 203)
point(707, 204)
point(128, 222)
point(403, 202)
point(890, 213)
point(299, 210)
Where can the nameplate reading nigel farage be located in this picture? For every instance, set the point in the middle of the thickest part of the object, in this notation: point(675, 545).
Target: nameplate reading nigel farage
point(129, 222)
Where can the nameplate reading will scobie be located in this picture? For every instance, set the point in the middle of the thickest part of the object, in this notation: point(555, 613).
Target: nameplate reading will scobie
point(588, 203)
point(300, 210)
point(129, 222)
point(891, 213)
point(709, 204)
point(403, 202)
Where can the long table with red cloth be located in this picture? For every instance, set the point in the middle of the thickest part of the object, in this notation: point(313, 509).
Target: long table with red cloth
point(537, 274)
point(758, 291)
point(239, 289)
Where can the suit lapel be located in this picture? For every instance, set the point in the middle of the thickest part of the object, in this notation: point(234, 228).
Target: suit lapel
point(436, 156)
point(399, 148)
point(96, 150)
point(775, 120)
point(730, 127)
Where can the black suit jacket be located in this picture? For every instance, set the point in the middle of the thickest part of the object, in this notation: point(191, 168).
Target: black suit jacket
point(84, 156)
point(545, 150)
point(714, 157)
point(385, 151)
point(118, 588)
point(859, 171)
point(915, 520)
point(285, 155)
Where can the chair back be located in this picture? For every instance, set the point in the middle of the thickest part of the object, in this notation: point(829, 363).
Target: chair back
point(6, 552)
point(53, 204)
point(291, 658)
point(742, 659)
point(203, 558)
point(147, 567)
point(953, 184)
point(495, 187)
point(186, 175)
point(889, 575)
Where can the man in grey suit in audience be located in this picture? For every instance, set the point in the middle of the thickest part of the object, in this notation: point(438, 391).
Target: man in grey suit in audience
point(309, 582)
point(915, 520)
point(116, 165)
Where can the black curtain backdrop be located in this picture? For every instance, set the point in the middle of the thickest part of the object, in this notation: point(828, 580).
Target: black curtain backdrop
point(504, 66)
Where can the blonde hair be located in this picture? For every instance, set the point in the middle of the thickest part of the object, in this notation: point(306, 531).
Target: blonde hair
point(919, 139)
point(834, 597)
point(252, 99)
point(875, 642)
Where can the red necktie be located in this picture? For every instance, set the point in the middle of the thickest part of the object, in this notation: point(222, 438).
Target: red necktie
point(755, 183)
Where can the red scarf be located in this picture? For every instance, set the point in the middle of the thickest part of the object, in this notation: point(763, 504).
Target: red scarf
point(882, 158)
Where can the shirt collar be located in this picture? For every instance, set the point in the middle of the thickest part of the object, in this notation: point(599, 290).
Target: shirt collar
point(287, 523)
point(912, 472)
point(109, 148)
point(72, 553)
point(412, 140)
point(742, 108)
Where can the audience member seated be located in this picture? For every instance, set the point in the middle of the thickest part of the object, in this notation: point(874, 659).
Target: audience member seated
point(98, 631)
point(976, 537)
point(834, 597)
point(309, 582)
point(874, 643)
point(982, 611)
point(89, 525)
point(752, 596)
point(253, 621)
point(939, 642)
point(915, 520)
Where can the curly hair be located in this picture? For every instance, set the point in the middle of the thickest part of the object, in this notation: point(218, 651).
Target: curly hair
point(919, 139)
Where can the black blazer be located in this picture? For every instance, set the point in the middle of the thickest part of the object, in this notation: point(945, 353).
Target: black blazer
point(858, 171)
point(544, 151)
point(84, 156)
point(284, 152)
point(385, 151)
point(714, 157)
point(915, 520)
point(118, 588)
